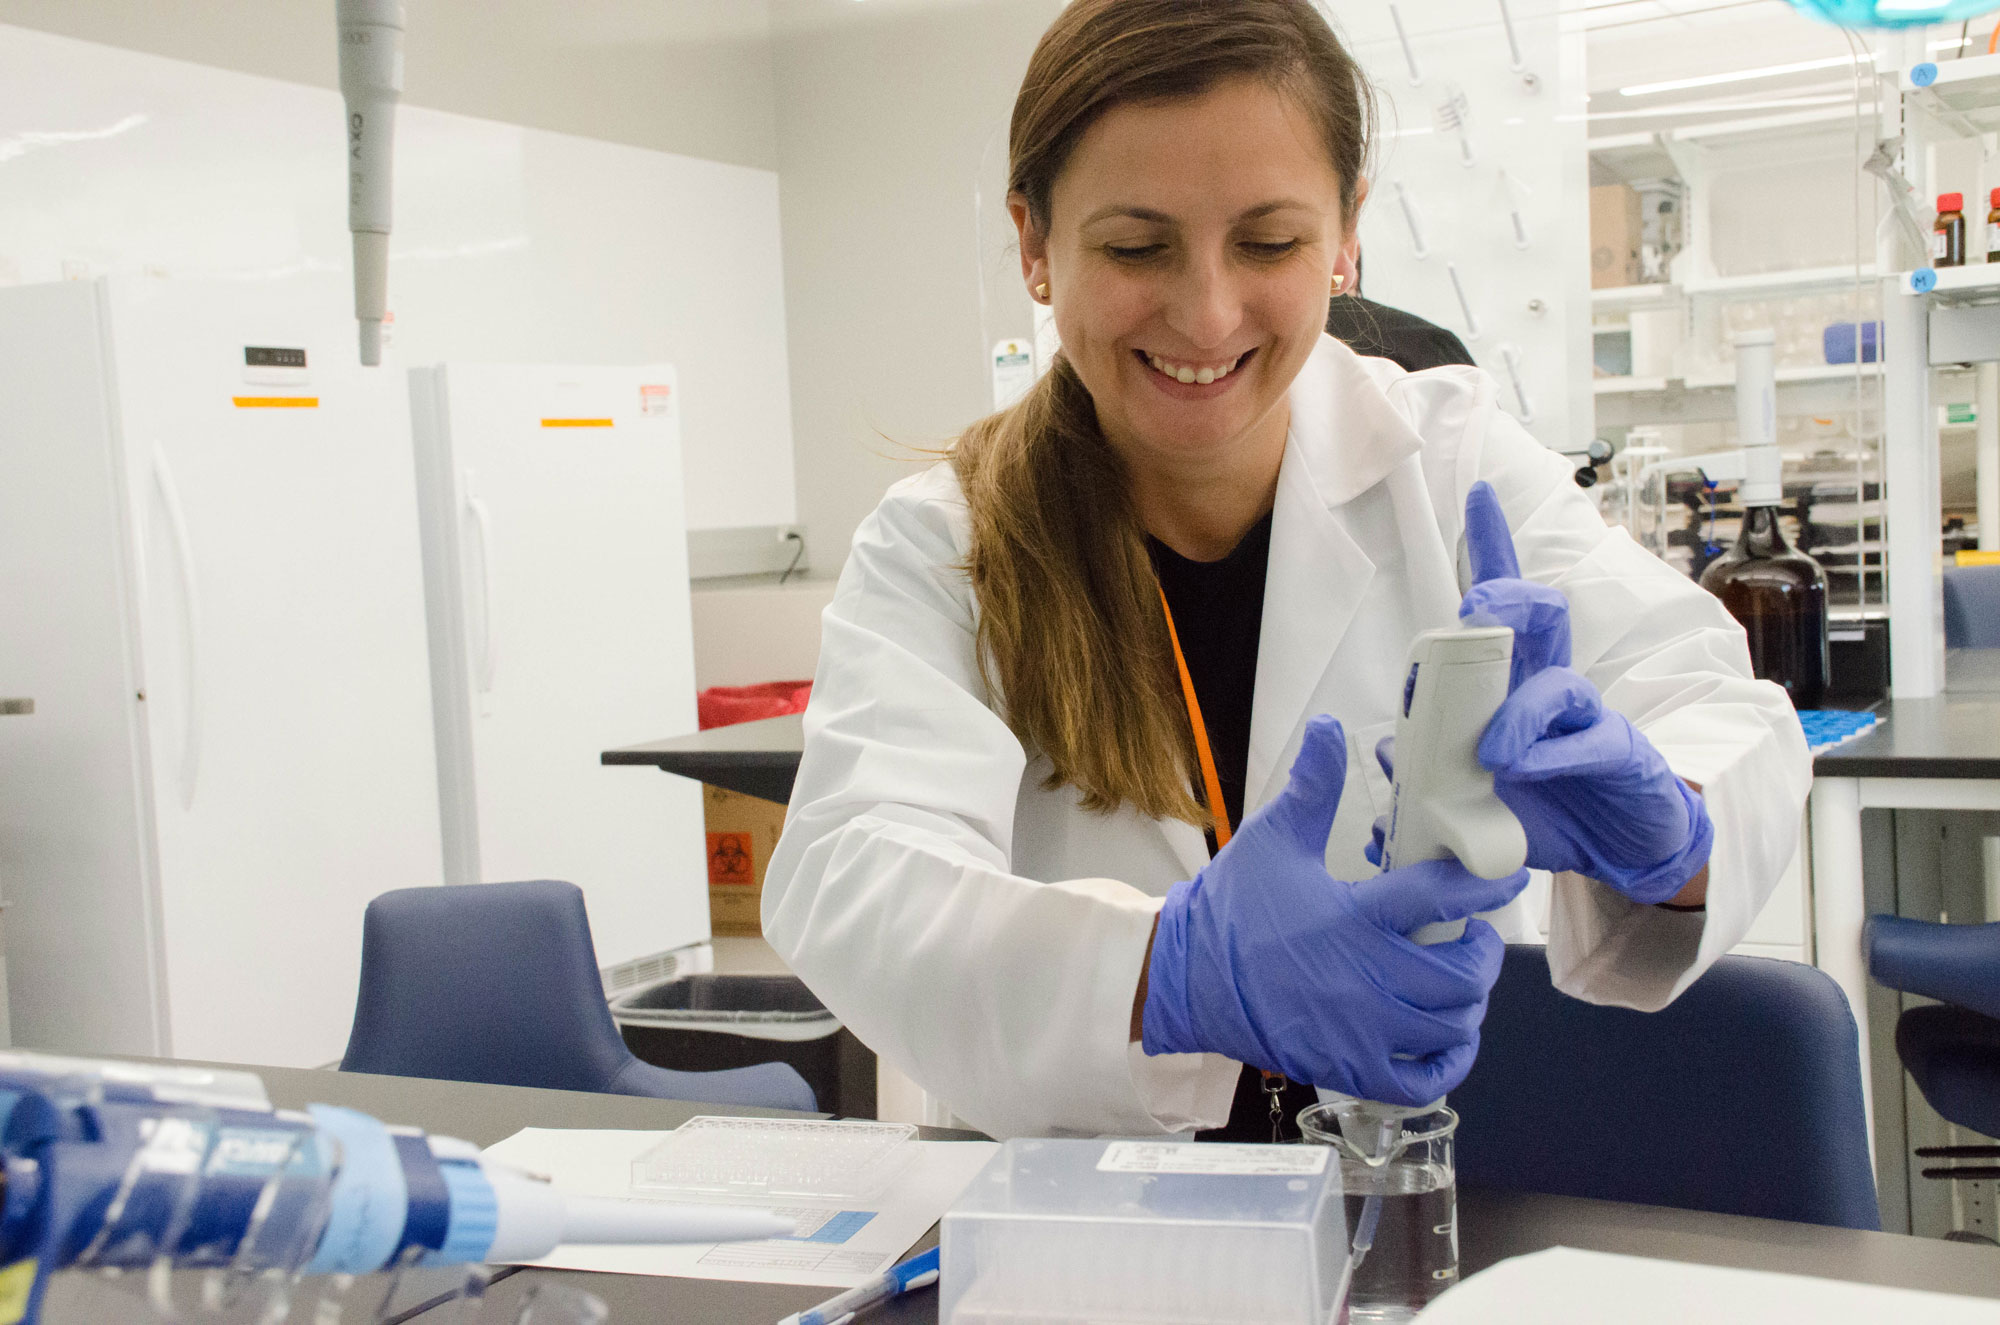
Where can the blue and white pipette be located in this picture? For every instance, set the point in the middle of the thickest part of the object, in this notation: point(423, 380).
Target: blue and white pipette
point(920, 1271)
point(126, 1166)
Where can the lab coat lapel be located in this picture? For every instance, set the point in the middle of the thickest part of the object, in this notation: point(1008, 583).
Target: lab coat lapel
point(1345, 438)
point(1190, 845)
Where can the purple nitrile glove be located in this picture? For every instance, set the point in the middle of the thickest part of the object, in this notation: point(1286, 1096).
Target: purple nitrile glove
point(1592, 793)
point(1266, 958)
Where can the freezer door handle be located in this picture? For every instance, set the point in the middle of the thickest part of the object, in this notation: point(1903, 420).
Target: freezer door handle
point(482, 521)
point(192, 709)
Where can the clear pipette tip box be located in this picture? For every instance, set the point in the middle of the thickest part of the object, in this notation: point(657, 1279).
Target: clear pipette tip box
point(1058, 1231)
point(761, 1159)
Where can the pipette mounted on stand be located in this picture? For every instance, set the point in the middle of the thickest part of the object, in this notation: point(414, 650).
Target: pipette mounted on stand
point(371, 82)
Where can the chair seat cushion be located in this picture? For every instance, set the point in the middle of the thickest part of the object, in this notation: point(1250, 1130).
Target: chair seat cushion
point(1953, 1055)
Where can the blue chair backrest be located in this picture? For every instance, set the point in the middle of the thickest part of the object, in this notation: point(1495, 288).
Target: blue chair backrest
point(1972, 607)
point(1743, 1096)
point(492, 982)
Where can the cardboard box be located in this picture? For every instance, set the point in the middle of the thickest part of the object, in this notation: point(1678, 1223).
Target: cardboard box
point(742, 833)
point(1614, 236)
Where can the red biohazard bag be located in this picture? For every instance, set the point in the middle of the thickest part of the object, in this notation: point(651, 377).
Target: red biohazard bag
point(723, 706)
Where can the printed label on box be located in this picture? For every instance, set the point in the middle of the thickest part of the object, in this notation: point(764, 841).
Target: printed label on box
point(655, 398)
point(729, 859)
point(1212, 1159)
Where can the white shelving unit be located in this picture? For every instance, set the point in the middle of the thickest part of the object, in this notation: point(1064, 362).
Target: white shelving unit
point(1715, 271)
point(1833, 372)
point(1945, 316)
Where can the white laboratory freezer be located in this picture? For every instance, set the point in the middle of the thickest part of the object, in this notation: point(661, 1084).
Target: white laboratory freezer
point(210, 585)
point(556, 579)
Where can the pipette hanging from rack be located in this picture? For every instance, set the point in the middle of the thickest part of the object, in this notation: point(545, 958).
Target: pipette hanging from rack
point(1464, 303)
point(1454, 115)
point(1513, 193)
point(1511, 356)
point(1409, 51)
point(1516, 61)
point(1418, 249)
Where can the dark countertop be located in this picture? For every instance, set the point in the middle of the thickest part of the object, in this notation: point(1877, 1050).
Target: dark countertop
point(1493, 1225)
point(756, 758)
point(1955, 735)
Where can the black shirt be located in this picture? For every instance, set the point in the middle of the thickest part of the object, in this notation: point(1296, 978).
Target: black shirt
point(1218, 609)
point(1389, 333)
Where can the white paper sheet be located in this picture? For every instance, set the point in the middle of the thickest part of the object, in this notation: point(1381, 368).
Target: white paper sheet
point(838, 1248)
point(1564, 1286)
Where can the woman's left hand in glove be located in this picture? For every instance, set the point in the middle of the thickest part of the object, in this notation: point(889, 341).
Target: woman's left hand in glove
point(1590, 790)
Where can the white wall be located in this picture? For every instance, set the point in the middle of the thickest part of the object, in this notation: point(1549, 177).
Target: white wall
point(747, 632)
point(688, 76)
point(885, 115)
point(511, 244)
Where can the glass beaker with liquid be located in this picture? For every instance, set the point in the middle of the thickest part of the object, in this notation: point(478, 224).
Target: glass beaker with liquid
point(1402, 1201)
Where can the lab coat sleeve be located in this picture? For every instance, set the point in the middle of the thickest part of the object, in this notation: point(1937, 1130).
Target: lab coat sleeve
point(1666, 654)
point(891, 894)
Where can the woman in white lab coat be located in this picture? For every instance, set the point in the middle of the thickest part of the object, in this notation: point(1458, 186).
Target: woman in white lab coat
point(995, 868)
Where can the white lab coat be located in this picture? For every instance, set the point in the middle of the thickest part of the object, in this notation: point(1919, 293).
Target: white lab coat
point(985, 935)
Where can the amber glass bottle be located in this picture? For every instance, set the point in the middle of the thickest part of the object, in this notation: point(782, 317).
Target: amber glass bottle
point(1948, 234)
point(1779, 594)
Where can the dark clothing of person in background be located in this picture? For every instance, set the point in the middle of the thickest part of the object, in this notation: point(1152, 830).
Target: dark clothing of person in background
point(1389, 333)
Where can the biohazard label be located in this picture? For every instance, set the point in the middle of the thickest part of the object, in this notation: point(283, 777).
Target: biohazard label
point(729, 858)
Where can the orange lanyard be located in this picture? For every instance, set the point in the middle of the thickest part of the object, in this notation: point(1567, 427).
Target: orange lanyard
point(1211, 783)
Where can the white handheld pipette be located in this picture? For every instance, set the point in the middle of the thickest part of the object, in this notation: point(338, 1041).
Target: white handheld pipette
point(1444, 803)
point(371, 81)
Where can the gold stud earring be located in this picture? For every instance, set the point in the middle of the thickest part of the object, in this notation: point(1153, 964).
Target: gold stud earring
point(1042, 292)
point(1339, 282)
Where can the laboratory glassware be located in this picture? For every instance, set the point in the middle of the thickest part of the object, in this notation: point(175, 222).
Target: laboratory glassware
point(1398, 1177)
point(1777, 593)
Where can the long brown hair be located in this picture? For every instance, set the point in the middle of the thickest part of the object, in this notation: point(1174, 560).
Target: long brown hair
point(1071, 634)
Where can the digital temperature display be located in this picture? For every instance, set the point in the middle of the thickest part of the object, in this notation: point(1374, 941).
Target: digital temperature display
point(266, 356)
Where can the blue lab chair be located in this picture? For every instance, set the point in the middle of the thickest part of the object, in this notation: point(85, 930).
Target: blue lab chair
point(498, 982)
point(1951, 1048)
point(1742, 1096)
point(1972, 607)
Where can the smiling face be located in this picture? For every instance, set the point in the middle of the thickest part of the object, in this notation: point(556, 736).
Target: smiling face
point(1189, 253)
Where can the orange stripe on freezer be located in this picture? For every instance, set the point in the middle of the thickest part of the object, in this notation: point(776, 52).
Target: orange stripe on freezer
point(276, 402)
point(576, 423)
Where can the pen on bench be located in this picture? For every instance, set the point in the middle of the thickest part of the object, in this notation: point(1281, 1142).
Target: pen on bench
point(917, 1272)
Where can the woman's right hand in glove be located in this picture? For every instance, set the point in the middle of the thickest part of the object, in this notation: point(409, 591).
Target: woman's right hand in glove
point(1268, 959)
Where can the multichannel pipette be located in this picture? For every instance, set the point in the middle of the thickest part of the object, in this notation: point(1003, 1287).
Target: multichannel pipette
point(126, 1166)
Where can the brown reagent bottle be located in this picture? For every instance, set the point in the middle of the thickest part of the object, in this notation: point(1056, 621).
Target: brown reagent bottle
point(1775, 592)
point(1948, 235)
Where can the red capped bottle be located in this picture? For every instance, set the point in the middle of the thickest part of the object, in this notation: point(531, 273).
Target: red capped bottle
point(1948, 235)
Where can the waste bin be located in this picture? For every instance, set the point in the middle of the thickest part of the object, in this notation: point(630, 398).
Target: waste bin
point(701, 1023)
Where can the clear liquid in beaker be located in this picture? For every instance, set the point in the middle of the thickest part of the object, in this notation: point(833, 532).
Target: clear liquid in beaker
point(1412, 1252)
point(1399, 1180)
